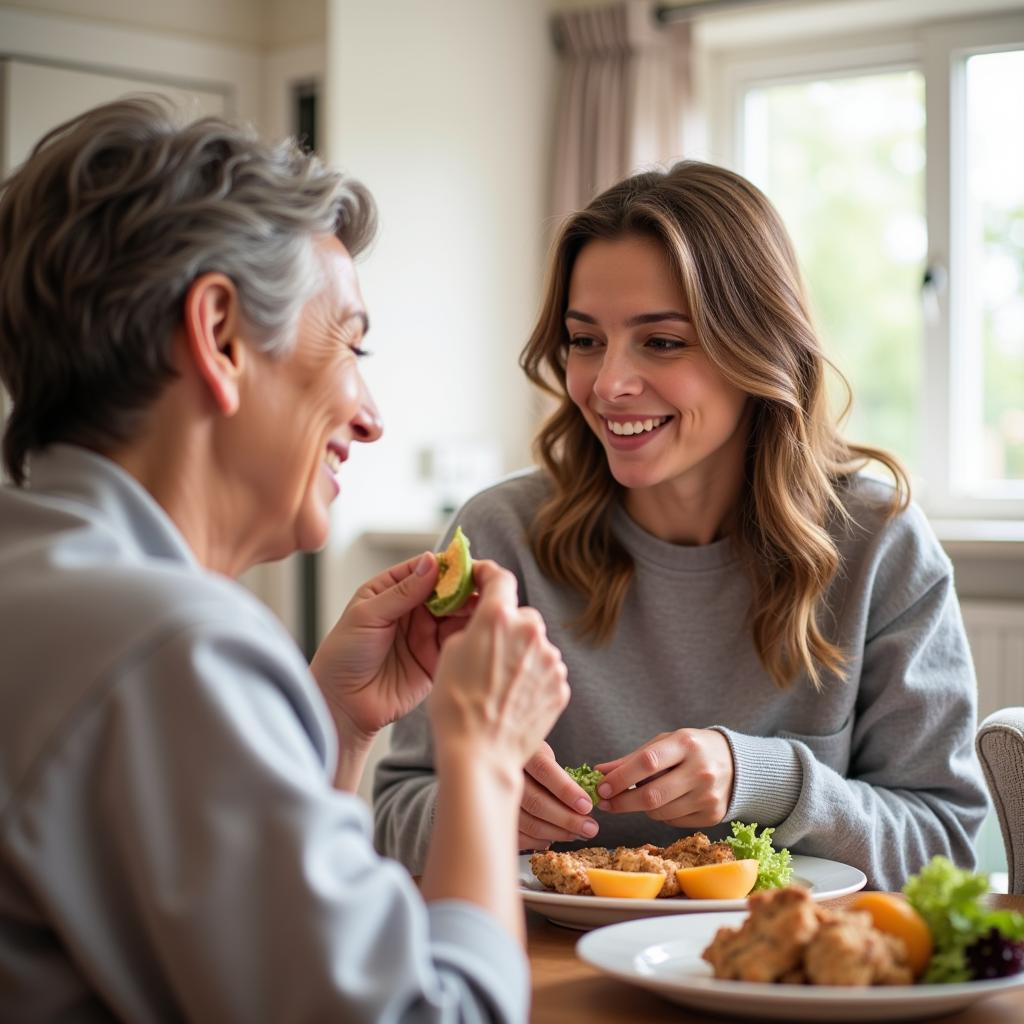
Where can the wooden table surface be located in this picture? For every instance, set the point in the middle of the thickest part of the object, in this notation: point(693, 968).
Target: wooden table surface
point(568, 991)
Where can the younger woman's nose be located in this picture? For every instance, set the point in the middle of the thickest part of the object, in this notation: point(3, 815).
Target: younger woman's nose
point(617, 377)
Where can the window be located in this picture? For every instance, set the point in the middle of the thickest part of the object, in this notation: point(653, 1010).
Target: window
point(992, 318)
point(895, 162)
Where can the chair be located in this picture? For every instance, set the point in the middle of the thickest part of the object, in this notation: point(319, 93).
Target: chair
point(1000, 746)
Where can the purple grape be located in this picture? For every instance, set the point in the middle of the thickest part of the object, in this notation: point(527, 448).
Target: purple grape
point(994, 956)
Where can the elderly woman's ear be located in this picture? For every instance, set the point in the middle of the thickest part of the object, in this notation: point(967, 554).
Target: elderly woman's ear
point(213, 346)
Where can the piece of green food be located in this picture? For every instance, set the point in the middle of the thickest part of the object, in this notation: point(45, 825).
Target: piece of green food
point(588, 779)
point(949, 899)
point(774, 868)
point(454, 577)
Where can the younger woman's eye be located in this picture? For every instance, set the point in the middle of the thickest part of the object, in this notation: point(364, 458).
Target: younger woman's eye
point(582, 341)
point(667, 344)
point(358, 351)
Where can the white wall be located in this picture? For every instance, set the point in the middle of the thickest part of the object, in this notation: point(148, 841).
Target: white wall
point(137, 53)
point(445, 111)
point(248, 50)
point(37, 97)
point(260, 23)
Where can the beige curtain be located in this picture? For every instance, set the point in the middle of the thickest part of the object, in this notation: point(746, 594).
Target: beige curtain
point(623, 101)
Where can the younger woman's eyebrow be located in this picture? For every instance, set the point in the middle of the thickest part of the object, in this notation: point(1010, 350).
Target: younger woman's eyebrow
point(633, 321)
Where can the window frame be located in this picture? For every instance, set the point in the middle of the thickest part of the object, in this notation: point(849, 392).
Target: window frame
point(938, 49)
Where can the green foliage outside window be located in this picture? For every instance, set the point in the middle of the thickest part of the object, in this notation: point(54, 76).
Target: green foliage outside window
point(843, 161)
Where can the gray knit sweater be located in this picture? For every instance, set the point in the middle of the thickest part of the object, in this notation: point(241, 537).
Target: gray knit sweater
point(877, 771)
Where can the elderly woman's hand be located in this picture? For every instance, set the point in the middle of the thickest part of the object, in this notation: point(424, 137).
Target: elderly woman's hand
point(378, 661)
point(501, 684)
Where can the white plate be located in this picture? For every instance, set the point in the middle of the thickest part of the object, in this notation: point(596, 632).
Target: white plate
point(825, 878)
point(663, 954)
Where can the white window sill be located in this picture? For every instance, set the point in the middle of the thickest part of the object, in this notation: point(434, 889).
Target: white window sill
point(981, 538)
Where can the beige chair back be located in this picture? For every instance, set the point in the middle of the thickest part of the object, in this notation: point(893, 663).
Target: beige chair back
point(1000, 746)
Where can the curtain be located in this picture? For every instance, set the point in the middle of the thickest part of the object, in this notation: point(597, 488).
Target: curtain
point(623, 98)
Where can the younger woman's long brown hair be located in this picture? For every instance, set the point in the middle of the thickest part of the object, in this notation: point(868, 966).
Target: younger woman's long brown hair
point(739, 274)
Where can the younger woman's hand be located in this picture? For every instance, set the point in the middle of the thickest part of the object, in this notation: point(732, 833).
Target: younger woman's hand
point(553, 808)
point(683, 778)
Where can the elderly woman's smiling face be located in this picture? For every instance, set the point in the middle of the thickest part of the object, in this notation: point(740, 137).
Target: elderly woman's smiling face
point(301, 414)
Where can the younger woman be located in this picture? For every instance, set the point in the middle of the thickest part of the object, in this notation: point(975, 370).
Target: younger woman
point(754, 629)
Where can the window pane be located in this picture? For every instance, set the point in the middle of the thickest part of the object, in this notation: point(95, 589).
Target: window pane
point(992, 331)
point(843, 160)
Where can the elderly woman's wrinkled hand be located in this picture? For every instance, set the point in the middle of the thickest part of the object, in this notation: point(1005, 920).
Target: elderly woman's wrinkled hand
point(378, 661)
point(501, 684)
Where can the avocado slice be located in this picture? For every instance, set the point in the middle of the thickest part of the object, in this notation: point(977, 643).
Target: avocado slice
point(454, 577)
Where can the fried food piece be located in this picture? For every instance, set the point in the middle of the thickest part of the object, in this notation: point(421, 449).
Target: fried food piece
point(794, 977)
point(697, 850)
point(567, 872)
point(688, 851)
point(849, 950)
point(790, 939)
point(594, 856)
point(648, 858)
point(716, 853)
point(771, 941)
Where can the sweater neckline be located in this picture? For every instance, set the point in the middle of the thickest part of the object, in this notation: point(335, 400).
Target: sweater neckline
point(644, 546)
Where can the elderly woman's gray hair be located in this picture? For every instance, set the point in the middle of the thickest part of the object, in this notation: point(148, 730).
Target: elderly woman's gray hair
point(102, 231)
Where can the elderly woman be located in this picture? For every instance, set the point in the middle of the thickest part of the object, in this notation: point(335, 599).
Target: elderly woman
point(180, 324)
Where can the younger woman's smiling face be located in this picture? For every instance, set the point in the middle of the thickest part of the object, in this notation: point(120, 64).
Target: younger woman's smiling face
point(669, 421)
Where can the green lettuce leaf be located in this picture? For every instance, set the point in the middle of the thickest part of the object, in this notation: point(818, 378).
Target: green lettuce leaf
point(774, 867)
point(949, 899)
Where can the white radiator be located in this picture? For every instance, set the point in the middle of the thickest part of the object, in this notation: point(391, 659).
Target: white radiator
point(995, 630)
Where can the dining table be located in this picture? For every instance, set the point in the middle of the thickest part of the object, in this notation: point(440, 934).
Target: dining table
point(566, 990)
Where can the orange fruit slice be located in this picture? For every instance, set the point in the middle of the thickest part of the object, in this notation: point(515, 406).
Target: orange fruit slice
point(730, 880)
point(633, 885)
point(895, 916)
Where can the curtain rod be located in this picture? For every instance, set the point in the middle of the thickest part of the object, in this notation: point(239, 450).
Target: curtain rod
point(664, 13)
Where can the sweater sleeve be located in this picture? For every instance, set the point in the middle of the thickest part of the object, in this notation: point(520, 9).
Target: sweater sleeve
point(405, 793)
point(913, 788)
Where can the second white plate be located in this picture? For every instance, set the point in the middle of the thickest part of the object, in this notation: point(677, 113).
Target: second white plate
point(825, 878)
point(664, 955)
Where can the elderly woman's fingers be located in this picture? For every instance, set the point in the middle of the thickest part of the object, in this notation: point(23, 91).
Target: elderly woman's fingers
point(397, 591)
point(425, 563)
point(497, 586)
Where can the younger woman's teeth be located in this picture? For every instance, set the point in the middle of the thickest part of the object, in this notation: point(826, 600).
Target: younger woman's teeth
point(636, 426)
point(333, 461)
